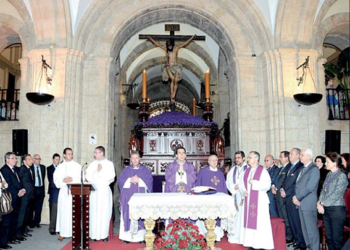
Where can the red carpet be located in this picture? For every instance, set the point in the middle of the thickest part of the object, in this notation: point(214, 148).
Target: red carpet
point(115, 243)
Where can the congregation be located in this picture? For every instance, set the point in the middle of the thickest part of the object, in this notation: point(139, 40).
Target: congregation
point(294, 187)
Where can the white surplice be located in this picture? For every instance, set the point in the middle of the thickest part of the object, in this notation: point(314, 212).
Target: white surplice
point(235, 238)
point(261, 237)
point(64, 204)
point(101, 201)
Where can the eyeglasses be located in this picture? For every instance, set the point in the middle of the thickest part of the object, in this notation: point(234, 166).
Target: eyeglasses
point(13, 158)
point(37, 158)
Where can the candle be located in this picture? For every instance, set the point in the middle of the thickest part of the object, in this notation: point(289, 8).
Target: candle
point(149, 100)
point(207, 86)
point(144, 86)
point(194, 107)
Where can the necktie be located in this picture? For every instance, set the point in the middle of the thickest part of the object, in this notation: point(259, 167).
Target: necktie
point(16, 174)
point(301, 172)
point(38, 174)
point(280, 173)
point(291, 167)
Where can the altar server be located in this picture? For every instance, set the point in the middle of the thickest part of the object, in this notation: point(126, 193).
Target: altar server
point(100, 174)
point(135, 178)
point(211, 176)
point(232, 182)
point(180, 175)
point(256, 231)
point(67, 172)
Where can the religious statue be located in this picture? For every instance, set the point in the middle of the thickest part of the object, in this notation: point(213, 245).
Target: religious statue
point(133, 143)
point(172, 69)
point(219, 146)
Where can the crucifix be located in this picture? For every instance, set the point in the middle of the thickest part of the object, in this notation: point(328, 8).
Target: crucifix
point(172, 70)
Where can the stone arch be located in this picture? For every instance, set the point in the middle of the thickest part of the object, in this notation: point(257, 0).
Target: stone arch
point(329, 24)
point(10, 24)
point(291, 20)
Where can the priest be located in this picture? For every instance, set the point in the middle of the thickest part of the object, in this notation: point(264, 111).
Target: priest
point(232, 182)
point(100, 174)
point(135, 178)
point(256, 231)
point(211, 176)
point(180, 175)
point(67, 172)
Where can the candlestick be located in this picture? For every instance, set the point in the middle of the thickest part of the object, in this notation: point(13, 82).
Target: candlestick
point(207, 86)
point(194, 107)
point(144, 86)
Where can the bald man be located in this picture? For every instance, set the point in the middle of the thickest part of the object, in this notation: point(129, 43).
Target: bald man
point(39, 172)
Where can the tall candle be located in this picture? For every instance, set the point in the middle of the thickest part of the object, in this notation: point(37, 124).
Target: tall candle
point(144, 86)
point(207, 86)
point(194, 107)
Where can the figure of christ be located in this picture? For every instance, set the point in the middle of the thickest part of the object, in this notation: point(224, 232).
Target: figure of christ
point(172, 69)
point(211, 176)
point(135, 178)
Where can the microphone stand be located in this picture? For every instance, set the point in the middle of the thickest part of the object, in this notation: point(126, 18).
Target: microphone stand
point(81, 206)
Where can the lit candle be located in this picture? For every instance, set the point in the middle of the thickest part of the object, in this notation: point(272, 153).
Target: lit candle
point(144, 86)
point(207, 86)
point(194, 107)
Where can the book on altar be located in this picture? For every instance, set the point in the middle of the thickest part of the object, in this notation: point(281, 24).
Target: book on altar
point(203, 190)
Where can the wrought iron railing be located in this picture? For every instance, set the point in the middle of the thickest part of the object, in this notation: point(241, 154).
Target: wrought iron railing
point(9, 99)
point(338, 103)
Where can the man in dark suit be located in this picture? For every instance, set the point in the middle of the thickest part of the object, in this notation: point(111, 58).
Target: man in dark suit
point(39, 191)
point(53, 192)
point(27, 179)
point(287, 191)
point(273, 172)
point(9, 221)
point(305, 199)
point(281, 203)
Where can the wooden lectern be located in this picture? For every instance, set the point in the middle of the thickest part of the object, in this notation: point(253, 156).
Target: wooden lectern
point(80, 238)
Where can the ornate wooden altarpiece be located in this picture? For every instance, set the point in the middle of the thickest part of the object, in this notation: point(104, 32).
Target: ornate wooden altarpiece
point(158, 138)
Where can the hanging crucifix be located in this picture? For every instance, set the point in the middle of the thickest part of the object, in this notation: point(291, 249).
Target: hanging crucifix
point(172, 70)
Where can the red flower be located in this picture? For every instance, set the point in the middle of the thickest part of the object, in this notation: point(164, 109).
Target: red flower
point(163, 233)
point(176, 236)
point(202, 243)
point(184, 233)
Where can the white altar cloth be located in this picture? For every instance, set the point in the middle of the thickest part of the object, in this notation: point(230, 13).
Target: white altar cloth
point(181, 205)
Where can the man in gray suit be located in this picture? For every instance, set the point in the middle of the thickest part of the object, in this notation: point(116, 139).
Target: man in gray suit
point(306, 199)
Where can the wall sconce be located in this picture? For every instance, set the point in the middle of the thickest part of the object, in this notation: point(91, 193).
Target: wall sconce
point(307, 98)
point(39, 98)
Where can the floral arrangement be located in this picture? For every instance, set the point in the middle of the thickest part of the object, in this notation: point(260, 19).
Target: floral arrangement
point(175, 119)
point(180, 235)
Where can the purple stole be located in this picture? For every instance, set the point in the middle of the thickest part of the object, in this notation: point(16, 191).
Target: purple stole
point(253, 200)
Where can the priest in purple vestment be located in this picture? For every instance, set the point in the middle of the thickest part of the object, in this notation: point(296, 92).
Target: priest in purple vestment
point(135, 178)
point(256, 231)
point(180, 175)
point(211, 176)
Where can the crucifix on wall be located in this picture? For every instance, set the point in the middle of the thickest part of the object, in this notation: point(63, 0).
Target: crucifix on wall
point(172, 70)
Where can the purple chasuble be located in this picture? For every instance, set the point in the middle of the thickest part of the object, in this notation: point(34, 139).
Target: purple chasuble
point(253, 199)
point(170, 178)
point(215, 179)
point(126, 193)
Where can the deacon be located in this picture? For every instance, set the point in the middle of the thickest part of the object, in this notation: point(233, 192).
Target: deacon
point(256, 231)
point(135, 178)
point(100, 174)
point(67, 172)
point(232, 182)
point(180, 175)
point(211, 176)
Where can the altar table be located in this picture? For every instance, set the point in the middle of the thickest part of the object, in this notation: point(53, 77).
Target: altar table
point(152, 206)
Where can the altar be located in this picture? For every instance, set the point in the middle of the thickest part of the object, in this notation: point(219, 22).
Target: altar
point(152, 206)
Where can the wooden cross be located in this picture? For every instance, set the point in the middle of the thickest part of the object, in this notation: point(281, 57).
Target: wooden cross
point(172, 37)
point(215, 180)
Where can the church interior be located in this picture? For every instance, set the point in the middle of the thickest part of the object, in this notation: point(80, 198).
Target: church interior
point(253, 54)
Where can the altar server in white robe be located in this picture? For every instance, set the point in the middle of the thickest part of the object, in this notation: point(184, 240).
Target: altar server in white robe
point(232, 182)
point(100, 174)
point(256, 231)
point(67, 172)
